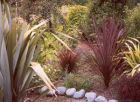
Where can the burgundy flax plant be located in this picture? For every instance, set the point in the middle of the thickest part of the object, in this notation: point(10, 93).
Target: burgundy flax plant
point(108, 43)
point(68, 60)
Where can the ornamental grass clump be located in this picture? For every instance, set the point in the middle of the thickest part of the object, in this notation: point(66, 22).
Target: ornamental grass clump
point(132, 56)
point(106, 48)
point(68, 61)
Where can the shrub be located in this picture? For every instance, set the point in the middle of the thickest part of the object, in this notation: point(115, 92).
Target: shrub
point(108, 43)
point(43, 8)
point(129, 90)
point(133, 21)
point(68, 60)
point(47, 49)
point(82, 2)
point(132, 3)
point(123, 2)
point(75, 16)
point(101, 11)
point(78, 82)
point(132, 56)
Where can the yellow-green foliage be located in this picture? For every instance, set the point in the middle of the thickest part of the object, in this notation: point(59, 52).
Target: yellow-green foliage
point(132, 56)
point(133, 21)
point(76, 16)
point(47, 49)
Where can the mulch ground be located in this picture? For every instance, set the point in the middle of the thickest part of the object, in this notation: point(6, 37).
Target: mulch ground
point(87, 71)
point(56, 99)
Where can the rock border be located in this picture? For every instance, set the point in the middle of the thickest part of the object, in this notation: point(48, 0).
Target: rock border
point(73, 93)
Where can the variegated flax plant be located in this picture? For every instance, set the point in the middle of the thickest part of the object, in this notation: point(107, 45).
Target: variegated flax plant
point(132, 56)
point(17, 46)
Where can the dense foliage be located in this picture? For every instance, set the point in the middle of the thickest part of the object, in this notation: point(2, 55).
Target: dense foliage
point(133, 21)
point(77, 16)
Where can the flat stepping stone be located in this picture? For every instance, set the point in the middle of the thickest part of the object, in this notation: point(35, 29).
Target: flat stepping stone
point(79, 94)
point(90, 96)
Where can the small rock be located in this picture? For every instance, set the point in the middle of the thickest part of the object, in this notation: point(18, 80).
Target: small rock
point(70, 92)
point(113, 100)
point(90, 96)
point(79, 94)
point(100, 99)
point(43, 89)
point(61, 90)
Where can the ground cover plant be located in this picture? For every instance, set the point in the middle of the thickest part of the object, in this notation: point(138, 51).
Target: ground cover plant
point(78, 82)
point(133, 21)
